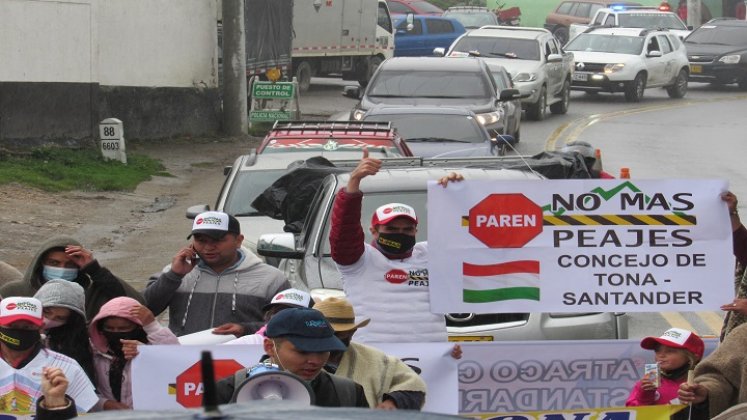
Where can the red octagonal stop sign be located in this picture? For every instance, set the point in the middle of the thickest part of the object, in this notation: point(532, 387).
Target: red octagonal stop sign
point(189, 388)
point(505, 220)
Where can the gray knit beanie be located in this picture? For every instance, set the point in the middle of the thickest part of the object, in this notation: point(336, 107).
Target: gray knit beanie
point(63, 293)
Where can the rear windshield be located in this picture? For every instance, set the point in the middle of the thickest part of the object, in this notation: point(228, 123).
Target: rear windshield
point(430, 84)
point(651, 21)
point(454, 127)
point(606, 43)
point(474, 20)
point(523, 49)
point(247, 186)
point(719, 35)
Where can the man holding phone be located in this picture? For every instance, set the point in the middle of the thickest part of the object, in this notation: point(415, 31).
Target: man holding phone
point(214, 282)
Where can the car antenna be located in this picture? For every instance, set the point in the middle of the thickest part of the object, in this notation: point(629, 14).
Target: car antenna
point(511, 146)
point(210, 408)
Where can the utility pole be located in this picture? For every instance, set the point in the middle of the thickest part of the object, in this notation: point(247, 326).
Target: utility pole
point(234, 69)
point(693, 13)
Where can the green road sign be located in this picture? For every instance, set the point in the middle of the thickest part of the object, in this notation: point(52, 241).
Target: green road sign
point(269, 90)
point(270, 115)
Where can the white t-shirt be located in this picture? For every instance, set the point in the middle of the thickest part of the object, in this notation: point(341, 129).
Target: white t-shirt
point(394, 295)
point(20, 388)
point(248, 339)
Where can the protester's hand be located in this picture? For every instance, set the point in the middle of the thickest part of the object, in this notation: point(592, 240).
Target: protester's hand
point(129, 348)
point(386, 405)
point(451, 177)
point(184, 260)
point(366, 167)
point(54, 385)
point(79, 255)
point(142, 313)
point(115, 405)
point(738, 305)
point(692, 393)
point(456, 352)
point(647, 384)
point(731, 201)
point(230, 328)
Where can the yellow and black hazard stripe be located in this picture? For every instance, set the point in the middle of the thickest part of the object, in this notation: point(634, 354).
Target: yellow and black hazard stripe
point(621, 220)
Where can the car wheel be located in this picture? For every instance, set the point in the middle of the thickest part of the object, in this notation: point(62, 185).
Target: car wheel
point(537, 110)
point(373, 64)
point(303, 76)
point(634, 90)
point(561, 107)
point(561, 33)
point(679, 88)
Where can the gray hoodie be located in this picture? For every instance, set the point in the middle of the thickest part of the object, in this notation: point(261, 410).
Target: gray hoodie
point(204, 299)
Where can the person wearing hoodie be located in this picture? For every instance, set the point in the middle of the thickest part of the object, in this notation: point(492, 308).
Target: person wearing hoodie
point(63, 257)
point(8, 273)
point(214, 282)
point(65, 326)
point(120, 326)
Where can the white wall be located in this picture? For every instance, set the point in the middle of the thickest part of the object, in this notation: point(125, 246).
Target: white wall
point(157, 43)
point(46, 41)
point(165, 43)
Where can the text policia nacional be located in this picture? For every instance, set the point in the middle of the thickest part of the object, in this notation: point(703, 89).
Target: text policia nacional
point(636, 254)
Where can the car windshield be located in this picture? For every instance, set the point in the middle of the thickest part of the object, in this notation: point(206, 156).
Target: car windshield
point(651, 21)
point(523, 49)
point(247, 186)
point(429, 84)
point(372, 201)
point(606, 43)
point(721, 35)
point(462, 128)
point(473, 20)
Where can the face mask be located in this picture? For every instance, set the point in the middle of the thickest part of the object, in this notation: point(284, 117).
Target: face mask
point(112, 338)
point(52, 323)
point(395, 243)
point(68, 274)
point(19, 340)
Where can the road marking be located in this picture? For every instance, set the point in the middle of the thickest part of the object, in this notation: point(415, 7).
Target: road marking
point(714, 320)
point(573, 129)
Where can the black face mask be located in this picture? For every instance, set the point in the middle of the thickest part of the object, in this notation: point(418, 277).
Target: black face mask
point(395, 243)
point(112, 338)
point(19, 340)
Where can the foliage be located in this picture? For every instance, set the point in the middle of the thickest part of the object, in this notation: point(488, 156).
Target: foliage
point(60, 169)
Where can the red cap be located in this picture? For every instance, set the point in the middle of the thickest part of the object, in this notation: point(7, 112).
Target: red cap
point(678, 339)
point(391, 211)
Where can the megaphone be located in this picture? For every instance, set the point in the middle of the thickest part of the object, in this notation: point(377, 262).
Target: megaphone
point(266, 381)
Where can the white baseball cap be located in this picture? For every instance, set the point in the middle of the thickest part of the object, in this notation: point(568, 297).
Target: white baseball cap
point(291, 297)
point(21, 309)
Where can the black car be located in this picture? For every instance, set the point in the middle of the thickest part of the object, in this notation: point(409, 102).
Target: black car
point(436, 82)
point(717, 52)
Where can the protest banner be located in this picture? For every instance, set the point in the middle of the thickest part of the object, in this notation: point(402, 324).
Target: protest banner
point(579, 246)
point(168, 377)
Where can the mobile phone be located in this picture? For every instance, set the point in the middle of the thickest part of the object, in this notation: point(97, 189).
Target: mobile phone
point(651, 371)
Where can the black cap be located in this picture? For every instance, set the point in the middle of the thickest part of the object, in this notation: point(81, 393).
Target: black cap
point(306, 328)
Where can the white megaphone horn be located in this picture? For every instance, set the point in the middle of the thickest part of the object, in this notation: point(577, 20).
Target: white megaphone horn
point(266, 381)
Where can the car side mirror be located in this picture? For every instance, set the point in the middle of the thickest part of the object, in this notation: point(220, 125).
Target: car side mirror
point(690, 27)
point(193, 211)
point(279, 245)
point(439, 52)
point(353, 92)
point(509, 94)
point(554, 58)
point(654, 53)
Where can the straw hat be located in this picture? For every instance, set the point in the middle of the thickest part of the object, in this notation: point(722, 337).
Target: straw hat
point(339, 313)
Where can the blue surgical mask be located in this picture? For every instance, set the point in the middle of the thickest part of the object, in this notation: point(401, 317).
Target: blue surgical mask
point(68, 274)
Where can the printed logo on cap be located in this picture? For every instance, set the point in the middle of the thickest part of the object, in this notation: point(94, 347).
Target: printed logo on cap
point(316, 323)
point(10, 306)
point(676, 335)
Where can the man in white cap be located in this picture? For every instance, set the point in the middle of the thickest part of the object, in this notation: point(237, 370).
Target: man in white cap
point(389, 383)
point(213, 282)
point(386, 280)
point(25, 361)
point(288, 298)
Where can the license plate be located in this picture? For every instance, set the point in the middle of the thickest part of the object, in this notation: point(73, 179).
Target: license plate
point(694, 68)
point(581, 77)
point(471, 338)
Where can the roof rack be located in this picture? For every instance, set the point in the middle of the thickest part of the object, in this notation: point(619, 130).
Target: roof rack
point(420, 162)
point(516, 28)
point(320, 127)
point(481, 8)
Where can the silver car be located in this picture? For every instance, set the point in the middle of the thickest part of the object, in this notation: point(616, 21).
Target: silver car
point(308, 264)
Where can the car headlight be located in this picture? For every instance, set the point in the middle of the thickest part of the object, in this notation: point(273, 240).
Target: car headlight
point(730, 59)
point(358, 114)
point(525, 77)
point(613, 68)
point(489, 118)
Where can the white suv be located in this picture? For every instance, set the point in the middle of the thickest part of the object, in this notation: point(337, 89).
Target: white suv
point(643, 17)
point(629, 60)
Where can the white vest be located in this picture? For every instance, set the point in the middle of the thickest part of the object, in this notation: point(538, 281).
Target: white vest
point(394, 295)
